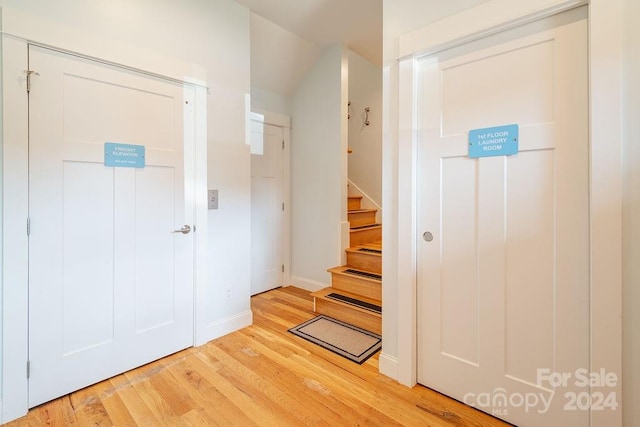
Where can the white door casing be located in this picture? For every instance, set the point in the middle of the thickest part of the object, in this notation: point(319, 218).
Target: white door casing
point(503, 288)
point(267, 207)
point(110, 286)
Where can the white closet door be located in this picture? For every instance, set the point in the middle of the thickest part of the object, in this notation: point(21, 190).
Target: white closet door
point(266, 208)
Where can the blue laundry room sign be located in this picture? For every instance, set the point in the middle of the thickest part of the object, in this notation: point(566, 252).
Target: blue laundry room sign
point(495, 141)
point(123, 155)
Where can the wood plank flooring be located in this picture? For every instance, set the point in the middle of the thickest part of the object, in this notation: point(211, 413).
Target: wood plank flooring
point(259, 376)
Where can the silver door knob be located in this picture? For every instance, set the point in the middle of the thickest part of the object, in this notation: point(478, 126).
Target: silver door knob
point(184, 230)
point(427, 236)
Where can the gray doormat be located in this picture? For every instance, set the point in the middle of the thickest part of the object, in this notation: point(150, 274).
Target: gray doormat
point(344, 339)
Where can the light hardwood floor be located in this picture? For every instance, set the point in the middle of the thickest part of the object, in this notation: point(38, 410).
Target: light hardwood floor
point(262, 376)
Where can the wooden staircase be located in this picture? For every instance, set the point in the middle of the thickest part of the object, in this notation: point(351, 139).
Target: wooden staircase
point(355, 294)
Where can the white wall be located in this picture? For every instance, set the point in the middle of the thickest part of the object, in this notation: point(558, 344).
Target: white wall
point(318, 170)
point(365, 162)
point(279, 58)
point(394, 24)
point(203, 40)
point(264, 100)
point(631, 218)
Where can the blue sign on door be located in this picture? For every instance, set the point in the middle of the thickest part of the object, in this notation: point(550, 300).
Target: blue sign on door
point(495, 141)
point(123, 155)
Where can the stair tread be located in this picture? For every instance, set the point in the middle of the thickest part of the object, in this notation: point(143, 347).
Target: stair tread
point(326, 291)
point(342, 268)
point(371, 245)
point(366, 227)
point(354, 197)
point(362, 210)
point(368, 249)
point(322, 293)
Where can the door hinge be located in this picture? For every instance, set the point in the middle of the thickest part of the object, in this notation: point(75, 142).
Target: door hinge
point(29, 74)
point(28, 226)
point(283, 144)
point(28, 369)
point(283, 206)
point(283, 268)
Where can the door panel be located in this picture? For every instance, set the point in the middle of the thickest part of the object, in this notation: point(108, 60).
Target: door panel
point(110, 284)
point(459, 331)
point(88, 319)
point(155, 275)
point(503, 287)
point(529, 263)
point(83, 96)
point(464, 102)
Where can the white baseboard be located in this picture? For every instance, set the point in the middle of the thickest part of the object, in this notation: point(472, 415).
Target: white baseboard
point(388, 365)
point(227, 325)
point(307, 284)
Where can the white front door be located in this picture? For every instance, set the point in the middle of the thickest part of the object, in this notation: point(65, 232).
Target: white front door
point(503, 286)
point(110, 284)
point(266, 207)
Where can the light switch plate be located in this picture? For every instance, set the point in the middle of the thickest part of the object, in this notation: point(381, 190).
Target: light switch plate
point(212, 197)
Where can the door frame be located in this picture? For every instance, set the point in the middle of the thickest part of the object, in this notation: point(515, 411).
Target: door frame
point(15, 250)
point(284, 122)
point(605, 65)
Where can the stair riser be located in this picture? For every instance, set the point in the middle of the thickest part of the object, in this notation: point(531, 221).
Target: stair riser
point(357, 219)
point(353, 204)
point(365, 261)
point(360, 237)
point(356, 285)
point(368, 321)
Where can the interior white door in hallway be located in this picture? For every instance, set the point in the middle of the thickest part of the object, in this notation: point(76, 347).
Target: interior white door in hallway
point(503, 286)
point(266, 207)
point(110, 283)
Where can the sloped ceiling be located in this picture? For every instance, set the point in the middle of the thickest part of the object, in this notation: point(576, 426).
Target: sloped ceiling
point(356, 23)
point(279, 58)
point(288, 35)
point(423, 12)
